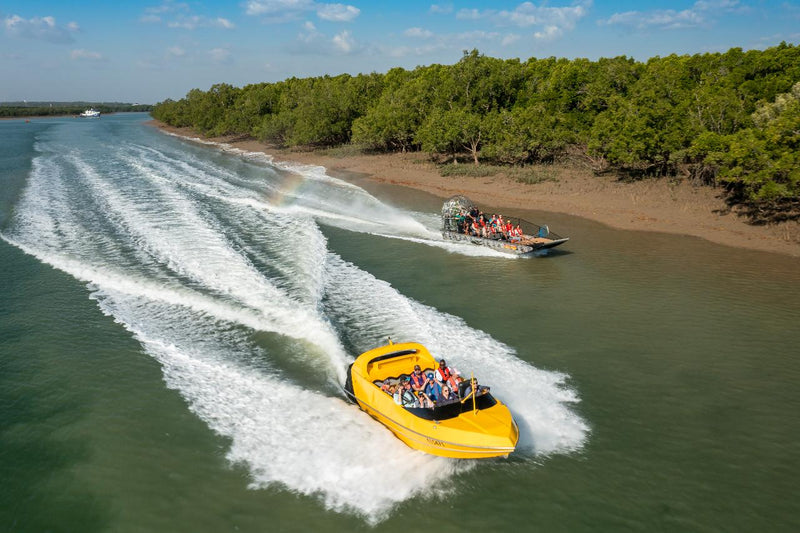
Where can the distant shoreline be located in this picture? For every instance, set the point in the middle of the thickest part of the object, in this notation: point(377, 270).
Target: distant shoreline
point(659, 205)
point(68, 115)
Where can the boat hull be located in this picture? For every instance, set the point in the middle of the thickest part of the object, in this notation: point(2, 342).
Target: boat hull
point(506, 246)
point(436, 442)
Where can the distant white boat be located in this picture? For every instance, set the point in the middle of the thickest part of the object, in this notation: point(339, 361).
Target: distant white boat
point(90, 113)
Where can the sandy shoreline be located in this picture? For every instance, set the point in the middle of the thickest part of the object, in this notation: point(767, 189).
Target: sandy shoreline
point(651, 205)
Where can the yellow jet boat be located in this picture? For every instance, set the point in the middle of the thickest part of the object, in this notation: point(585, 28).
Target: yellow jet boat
point(472, 424)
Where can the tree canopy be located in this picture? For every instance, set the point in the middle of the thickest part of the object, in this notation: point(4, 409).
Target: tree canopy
point(728, 119)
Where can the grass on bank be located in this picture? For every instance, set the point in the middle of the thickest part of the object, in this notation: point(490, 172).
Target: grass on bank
point(529, 175)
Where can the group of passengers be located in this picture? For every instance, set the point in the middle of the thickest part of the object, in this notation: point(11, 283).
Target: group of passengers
point(426, 390)
point(474, 222)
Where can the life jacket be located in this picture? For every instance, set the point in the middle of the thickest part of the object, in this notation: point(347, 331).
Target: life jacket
point(452, 382)
point(443, 374)
point(418, 381)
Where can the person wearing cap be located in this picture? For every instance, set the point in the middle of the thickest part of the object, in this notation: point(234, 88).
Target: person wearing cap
point(417, 379)
point(386, 385)
point(405, 396)
point(433, 389)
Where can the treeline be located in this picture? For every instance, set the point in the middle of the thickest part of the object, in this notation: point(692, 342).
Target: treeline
point(47, 109)
point(730, 119)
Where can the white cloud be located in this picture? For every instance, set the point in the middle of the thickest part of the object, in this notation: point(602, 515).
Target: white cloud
point(180, 17)
point(277, 7)
point(278, 11)
point(196, 21)
point(668, 19)
point(78, 55)
point(168, 6)
point(337, 12)
point(175, 51)
point(310, 35)
point(42, 28)
point(418, 33)
point(220, 55)
point(548, 34)
point(344, 42)
point(700, 14)
point(441, 8)
point(550, 22)
point(528, 14)
point(473, 14)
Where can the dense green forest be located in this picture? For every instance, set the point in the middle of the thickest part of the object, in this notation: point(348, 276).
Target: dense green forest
point(46, 109)
point(728, 119)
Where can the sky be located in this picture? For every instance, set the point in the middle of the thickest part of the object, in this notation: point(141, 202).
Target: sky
point(146, 52)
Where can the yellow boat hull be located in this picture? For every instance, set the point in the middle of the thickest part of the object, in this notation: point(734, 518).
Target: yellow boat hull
point(480, 430)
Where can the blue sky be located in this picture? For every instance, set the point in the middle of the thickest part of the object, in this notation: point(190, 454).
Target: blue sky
point(149, 51)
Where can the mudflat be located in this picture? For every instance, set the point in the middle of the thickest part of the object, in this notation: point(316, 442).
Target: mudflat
point(662, 205)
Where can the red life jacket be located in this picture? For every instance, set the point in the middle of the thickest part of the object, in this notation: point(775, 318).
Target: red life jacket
point(419, 381)
point(444, 373)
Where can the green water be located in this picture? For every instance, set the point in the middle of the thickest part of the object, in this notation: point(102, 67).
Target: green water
point(682, 354)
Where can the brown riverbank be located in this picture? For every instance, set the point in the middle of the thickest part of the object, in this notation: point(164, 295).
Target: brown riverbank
point(651, 205)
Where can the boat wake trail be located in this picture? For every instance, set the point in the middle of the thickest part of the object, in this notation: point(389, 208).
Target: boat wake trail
point(217, 266)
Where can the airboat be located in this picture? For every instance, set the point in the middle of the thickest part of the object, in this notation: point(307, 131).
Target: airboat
point(459, 213)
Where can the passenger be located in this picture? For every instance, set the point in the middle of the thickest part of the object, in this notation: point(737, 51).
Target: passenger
point(424, 400)
point(404, 395)
point(454, 380)
point(432, 388)
point(459, 221)
point(446, 396)
point(418, 379)
point(386, 385)
point(443, 373)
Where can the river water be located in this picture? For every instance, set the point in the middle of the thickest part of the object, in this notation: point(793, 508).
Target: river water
point(176, 319)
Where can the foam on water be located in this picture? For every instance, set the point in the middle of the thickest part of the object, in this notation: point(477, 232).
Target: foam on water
point(538, 399)
point(175, 251)
point(363, 212)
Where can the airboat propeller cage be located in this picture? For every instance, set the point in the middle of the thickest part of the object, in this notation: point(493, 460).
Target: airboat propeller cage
point(452, 208)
